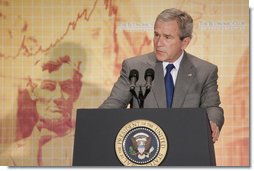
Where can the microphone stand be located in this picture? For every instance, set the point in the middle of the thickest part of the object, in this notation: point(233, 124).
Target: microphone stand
point(149, 76)
point(141, 97)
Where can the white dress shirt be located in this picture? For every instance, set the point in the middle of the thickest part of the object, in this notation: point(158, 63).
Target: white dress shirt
point(174, 71)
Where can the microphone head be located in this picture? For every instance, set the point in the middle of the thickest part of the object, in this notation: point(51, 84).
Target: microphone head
point(149, 73)
point(133, 73)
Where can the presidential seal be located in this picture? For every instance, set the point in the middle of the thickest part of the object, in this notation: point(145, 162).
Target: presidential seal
point(141, 143)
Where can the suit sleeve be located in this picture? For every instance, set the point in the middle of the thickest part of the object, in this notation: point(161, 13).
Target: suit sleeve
point(120, 95)
point(210, 98)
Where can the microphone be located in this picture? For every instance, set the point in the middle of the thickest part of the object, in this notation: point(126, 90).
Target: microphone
point(149, 76)
point(133, 77)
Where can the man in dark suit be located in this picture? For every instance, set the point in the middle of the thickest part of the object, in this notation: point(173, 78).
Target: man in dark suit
point(194, 80)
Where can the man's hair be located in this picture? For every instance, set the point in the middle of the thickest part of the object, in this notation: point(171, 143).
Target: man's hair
point(54, 65)
point(184, 21)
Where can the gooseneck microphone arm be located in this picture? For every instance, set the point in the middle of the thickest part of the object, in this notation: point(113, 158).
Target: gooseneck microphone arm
point(149, 77)
point(133, 77)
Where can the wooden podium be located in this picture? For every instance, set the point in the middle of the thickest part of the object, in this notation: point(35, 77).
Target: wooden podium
point(188, 134)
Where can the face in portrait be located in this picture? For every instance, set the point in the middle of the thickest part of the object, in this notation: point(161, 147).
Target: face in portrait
point(51, 92)
point(56, 93)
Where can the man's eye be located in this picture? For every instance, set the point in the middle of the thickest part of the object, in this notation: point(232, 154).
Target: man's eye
point(168, 37)
point(48, 86)
point(67, 86)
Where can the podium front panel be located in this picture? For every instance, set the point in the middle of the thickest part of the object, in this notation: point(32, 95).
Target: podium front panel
point(187, 130)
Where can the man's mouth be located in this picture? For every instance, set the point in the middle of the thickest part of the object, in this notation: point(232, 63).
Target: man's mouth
point(55, 109)
point(159, 51)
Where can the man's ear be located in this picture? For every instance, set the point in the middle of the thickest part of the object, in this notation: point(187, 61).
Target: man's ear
point(31, 86)
point(185, 42)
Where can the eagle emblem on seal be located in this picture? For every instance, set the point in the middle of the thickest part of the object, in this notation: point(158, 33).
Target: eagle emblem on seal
point(141, 145)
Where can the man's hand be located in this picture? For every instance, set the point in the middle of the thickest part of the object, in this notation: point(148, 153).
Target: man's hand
point(215, 131)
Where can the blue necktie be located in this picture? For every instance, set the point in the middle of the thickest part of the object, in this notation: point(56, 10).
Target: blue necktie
point(169, 85)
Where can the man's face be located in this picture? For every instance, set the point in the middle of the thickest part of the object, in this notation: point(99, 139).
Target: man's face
point(54, 94)
point(167, 44)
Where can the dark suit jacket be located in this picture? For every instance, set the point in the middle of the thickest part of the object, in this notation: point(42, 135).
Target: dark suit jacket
point(195, 87)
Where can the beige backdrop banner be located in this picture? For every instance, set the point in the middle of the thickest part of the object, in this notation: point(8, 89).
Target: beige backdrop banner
point(57, 56)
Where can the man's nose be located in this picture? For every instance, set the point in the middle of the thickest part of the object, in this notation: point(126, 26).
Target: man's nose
point(159, 41)
point(58, 93)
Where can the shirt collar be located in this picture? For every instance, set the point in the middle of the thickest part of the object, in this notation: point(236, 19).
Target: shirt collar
point(176, 63)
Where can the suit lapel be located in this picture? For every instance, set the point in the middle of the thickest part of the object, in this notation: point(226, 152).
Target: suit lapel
point(158, 87)
point(185, 76)
point(184, 79)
